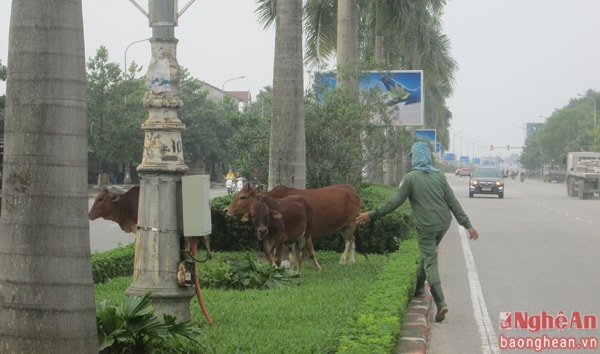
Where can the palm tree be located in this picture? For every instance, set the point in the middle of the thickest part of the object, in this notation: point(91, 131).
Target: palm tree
point(287, 148)
point(45, 264)
point(347, 46)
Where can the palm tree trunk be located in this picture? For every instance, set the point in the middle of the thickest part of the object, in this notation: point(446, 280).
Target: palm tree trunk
point(47, 293)
point(287, 150)
point(347, 46)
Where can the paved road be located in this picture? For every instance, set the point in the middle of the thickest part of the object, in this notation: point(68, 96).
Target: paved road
point(106, 235)
point(536, 256)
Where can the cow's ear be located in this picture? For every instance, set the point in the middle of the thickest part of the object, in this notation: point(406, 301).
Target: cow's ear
point(258, 189)
point(275, 214)
point(246, 218)
point(115, 198)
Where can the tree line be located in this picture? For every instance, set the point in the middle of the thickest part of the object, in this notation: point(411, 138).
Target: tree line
point(218, 136)
point(569, 129)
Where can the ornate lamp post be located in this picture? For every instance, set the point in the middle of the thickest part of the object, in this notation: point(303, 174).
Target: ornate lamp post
point(158, 241)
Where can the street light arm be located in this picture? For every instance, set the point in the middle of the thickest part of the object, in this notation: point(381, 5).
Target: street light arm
point(126, 49)
point(226, 81)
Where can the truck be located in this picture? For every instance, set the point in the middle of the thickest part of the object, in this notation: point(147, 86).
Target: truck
point(553, 173)
point(583, 174)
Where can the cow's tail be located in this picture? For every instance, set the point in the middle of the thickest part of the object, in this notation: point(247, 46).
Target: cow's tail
point(358, 243)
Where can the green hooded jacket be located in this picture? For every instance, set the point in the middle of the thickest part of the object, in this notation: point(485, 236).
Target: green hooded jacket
point(431, 198)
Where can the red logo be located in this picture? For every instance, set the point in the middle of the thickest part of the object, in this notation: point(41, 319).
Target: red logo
point(523, 320)
point(505, 320)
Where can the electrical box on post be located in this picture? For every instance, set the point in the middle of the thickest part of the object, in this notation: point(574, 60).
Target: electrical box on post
point(196, 205)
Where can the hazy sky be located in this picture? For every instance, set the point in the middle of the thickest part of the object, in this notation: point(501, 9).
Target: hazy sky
point(518, 59)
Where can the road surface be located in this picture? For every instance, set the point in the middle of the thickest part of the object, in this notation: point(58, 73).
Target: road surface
point(535, 266)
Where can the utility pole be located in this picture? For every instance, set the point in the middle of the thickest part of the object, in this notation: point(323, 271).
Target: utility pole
point(160, 221)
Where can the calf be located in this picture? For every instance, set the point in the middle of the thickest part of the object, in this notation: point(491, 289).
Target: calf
point(120, 208)
point(335, 209)
point(285, 221)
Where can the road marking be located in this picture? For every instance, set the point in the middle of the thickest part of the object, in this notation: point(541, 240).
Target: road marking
point(489, 341)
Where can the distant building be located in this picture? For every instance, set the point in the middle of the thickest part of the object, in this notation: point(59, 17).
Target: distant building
point(243, 98)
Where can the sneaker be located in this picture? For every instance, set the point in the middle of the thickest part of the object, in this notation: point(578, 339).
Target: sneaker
point(441, 315)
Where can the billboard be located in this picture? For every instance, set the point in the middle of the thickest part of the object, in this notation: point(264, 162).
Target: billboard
point(401, 90)
point(449, 156)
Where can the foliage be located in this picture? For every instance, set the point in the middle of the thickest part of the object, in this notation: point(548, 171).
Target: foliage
point(249, 143)
point(230, 233)
point(247, 273)
point(114, 263)
point(333, 126)
point(384, 233)
point(206, 133)
point(375, 326)
point(2, 99)
point(115, 113)
point(332, 299)
point(132, 326)
point(2, 71)
point(568, 129)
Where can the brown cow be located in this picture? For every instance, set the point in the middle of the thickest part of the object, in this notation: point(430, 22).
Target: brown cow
point(123, 209)
point(285, 221)
point(120, 208)
point(335, 209)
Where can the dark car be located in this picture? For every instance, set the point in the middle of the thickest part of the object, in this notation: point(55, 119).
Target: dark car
point(486, 181)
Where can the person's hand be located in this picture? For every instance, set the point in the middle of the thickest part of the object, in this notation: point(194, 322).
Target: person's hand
point(473, 234)
point(363, 218)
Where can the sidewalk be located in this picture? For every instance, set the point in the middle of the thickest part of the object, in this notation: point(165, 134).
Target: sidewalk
point(417, 322)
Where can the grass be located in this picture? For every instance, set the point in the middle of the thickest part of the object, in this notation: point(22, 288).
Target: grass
point(329, 308)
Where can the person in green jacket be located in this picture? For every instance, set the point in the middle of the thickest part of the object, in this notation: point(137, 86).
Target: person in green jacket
point(433, 203)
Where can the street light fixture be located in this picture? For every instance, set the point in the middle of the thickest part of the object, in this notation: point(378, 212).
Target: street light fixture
point(125, 61)
point(126, 49)
point(223, 87)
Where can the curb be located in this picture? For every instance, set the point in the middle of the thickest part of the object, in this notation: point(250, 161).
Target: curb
point(414, 338)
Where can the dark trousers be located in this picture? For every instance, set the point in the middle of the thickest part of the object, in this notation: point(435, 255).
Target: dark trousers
point(428, 264)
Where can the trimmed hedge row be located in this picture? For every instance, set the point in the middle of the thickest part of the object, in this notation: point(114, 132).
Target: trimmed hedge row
point(114, 263)
point(378, 321)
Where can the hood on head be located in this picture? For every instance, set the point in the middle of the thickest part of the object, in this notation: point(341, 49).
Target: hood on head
point(421, 157)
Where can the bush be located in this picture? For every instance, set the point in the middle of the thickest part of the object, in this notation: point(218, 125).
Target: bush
point(115, 263)
point(229, 233)
point(377, 322)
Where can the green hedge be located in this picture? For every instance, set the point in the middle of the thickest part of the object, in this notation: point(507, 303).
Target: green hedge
point(378, 320)
point(114, 263)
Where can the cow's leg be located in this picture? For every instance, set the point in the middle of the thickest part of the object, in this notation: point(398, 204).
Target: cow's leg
point(268, 250)
point(348, 236)
point(299, 251)
point(310, 249)
point(278, 252)
point(291, 254)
